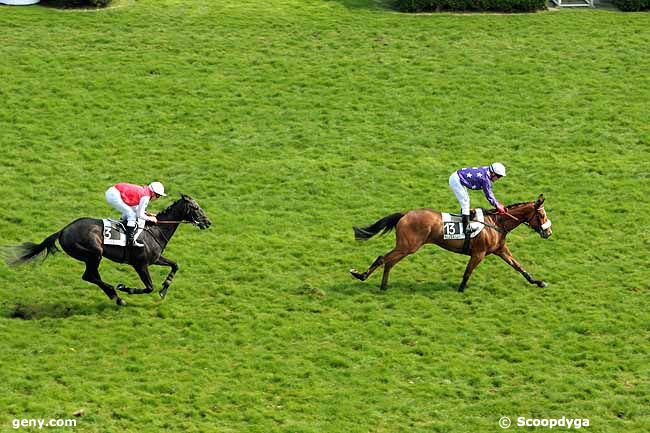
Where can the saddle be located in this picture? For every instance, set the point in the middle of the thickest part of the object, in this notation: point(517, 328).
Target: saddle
point(115, 231)
point(452, 224)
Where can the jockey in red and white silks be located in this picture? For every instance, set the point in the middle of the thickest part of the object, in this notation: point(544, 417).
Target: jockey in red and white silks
point(132, 201)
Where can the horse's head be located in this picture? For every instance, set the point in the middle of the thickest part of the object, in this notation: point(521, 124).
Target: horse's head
point(539, 221)
point(193, 213)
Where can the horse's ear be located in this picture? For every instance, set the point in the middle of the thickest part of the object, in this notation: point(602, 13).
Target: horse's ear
point(540, 200)
point(186, 198)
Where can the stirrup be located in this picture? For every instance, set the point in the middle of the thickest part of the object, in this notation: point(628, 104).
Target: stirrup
point(136, 239)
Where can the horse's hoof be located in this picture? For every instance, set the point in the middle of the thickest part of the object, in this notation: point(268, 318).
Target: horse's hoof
point(120, 302)
point(461, 289)
point(542, 284)
point(356, 274)
point(122, 288)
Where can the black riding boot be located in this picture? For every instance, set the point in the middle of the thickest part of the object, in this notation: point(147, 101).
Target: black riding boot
point(467, 229)
point(130, 235)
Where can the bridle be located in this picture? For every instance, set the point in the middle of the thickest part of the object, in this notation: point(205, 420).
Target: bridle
point(193, 221)
point(544, 226)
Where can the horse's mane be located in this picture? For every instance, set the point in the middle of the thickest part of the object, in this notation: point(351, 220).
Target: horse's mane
point(494, 211)
point(168, 209)
point(519, 204)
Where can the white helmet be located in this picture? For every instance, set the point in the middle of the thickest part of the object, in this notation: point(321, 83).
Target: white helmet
point(158, 188)
point(498, 168)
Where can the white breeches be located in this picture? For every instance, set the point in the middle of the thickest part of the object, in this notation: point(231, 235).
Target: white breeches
point(461, 193)
point(114, 198)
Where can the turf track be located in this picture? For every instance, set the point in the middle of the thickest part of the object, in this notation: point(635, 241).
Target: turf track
point(290, 121)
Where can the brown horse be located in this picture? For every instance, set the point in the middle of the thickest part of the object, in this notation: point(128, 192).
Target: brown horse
point(424, 226)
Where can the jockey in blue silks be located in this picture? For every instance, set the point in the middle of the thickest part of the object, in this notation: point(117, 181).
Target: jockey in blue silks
point(475, 178)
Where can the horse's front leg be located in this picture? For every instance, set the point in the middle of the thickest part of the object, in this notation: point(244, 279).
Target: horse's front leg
point(506, 255)
point(163, 261)
point(143, 271)
point(474, 261)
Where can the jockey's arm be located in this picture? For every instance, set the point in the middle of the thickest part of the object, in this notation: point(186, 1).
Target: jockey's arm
point(489, 195)
point(141, 210)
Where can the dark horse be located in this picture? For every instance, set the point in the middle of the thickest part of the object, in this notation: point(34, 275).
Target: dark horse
point(83, 239)
point(424, 226)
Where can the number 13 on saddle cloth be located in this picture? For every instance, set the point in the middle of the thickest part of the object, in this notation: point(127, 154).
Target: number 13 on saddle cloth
point(452, 225)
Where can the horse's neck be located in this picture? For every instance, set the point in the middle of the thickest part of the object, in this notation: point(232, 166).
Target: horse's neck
point(167, 230)
point(522, 213)
point(172, 213)
point(507, 222)
point(163, 233)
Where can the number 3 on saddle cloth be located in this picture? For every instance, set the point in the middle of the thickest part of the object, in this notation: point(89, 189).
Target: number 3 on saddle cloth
point(452, 224)
point(115, 231)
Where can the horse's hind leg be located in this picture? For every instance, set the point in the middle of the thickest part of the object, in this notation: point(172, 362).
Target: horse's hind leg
point(391, 260)
point(409, 240)
point(92, 276)
point(363, 276)
point(388, 261)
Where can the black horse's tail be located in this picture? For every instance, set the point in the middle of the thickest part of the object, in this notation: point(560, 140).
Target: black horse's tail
point(28, 251)
point(387, 224)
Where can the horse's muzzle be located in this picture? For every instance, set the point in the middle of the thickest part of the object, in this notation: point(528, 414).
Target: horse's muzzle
point(204, 224)
point(545, 230)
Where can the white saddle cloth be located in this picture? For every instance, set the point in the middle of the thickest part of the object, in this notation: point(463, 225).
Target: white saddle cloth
point(452, 225)
point(115, 232)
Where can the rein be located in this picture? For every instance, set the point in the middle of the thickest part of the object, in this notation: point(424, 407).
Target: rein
point(163, 234)
point(527, 222)
point(513, 217)
point(492, 226)
point(169, 222)
point(501, 229)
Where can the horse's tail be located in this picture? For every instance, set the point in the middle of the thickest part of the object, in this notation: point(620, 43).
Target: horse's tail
point(28, 251)
point(387, 224)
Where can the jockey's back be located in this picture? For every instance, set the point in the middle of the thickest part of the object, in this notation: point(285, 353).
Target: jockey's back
point(132, 194)
point(478, 178)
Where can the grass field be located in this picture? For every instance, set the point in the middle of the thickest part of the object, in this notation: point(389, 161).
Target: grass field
point(289, 121)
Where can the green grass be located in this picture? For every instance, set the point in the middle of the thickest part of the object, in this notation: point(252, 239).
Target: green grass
point(290, 121)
